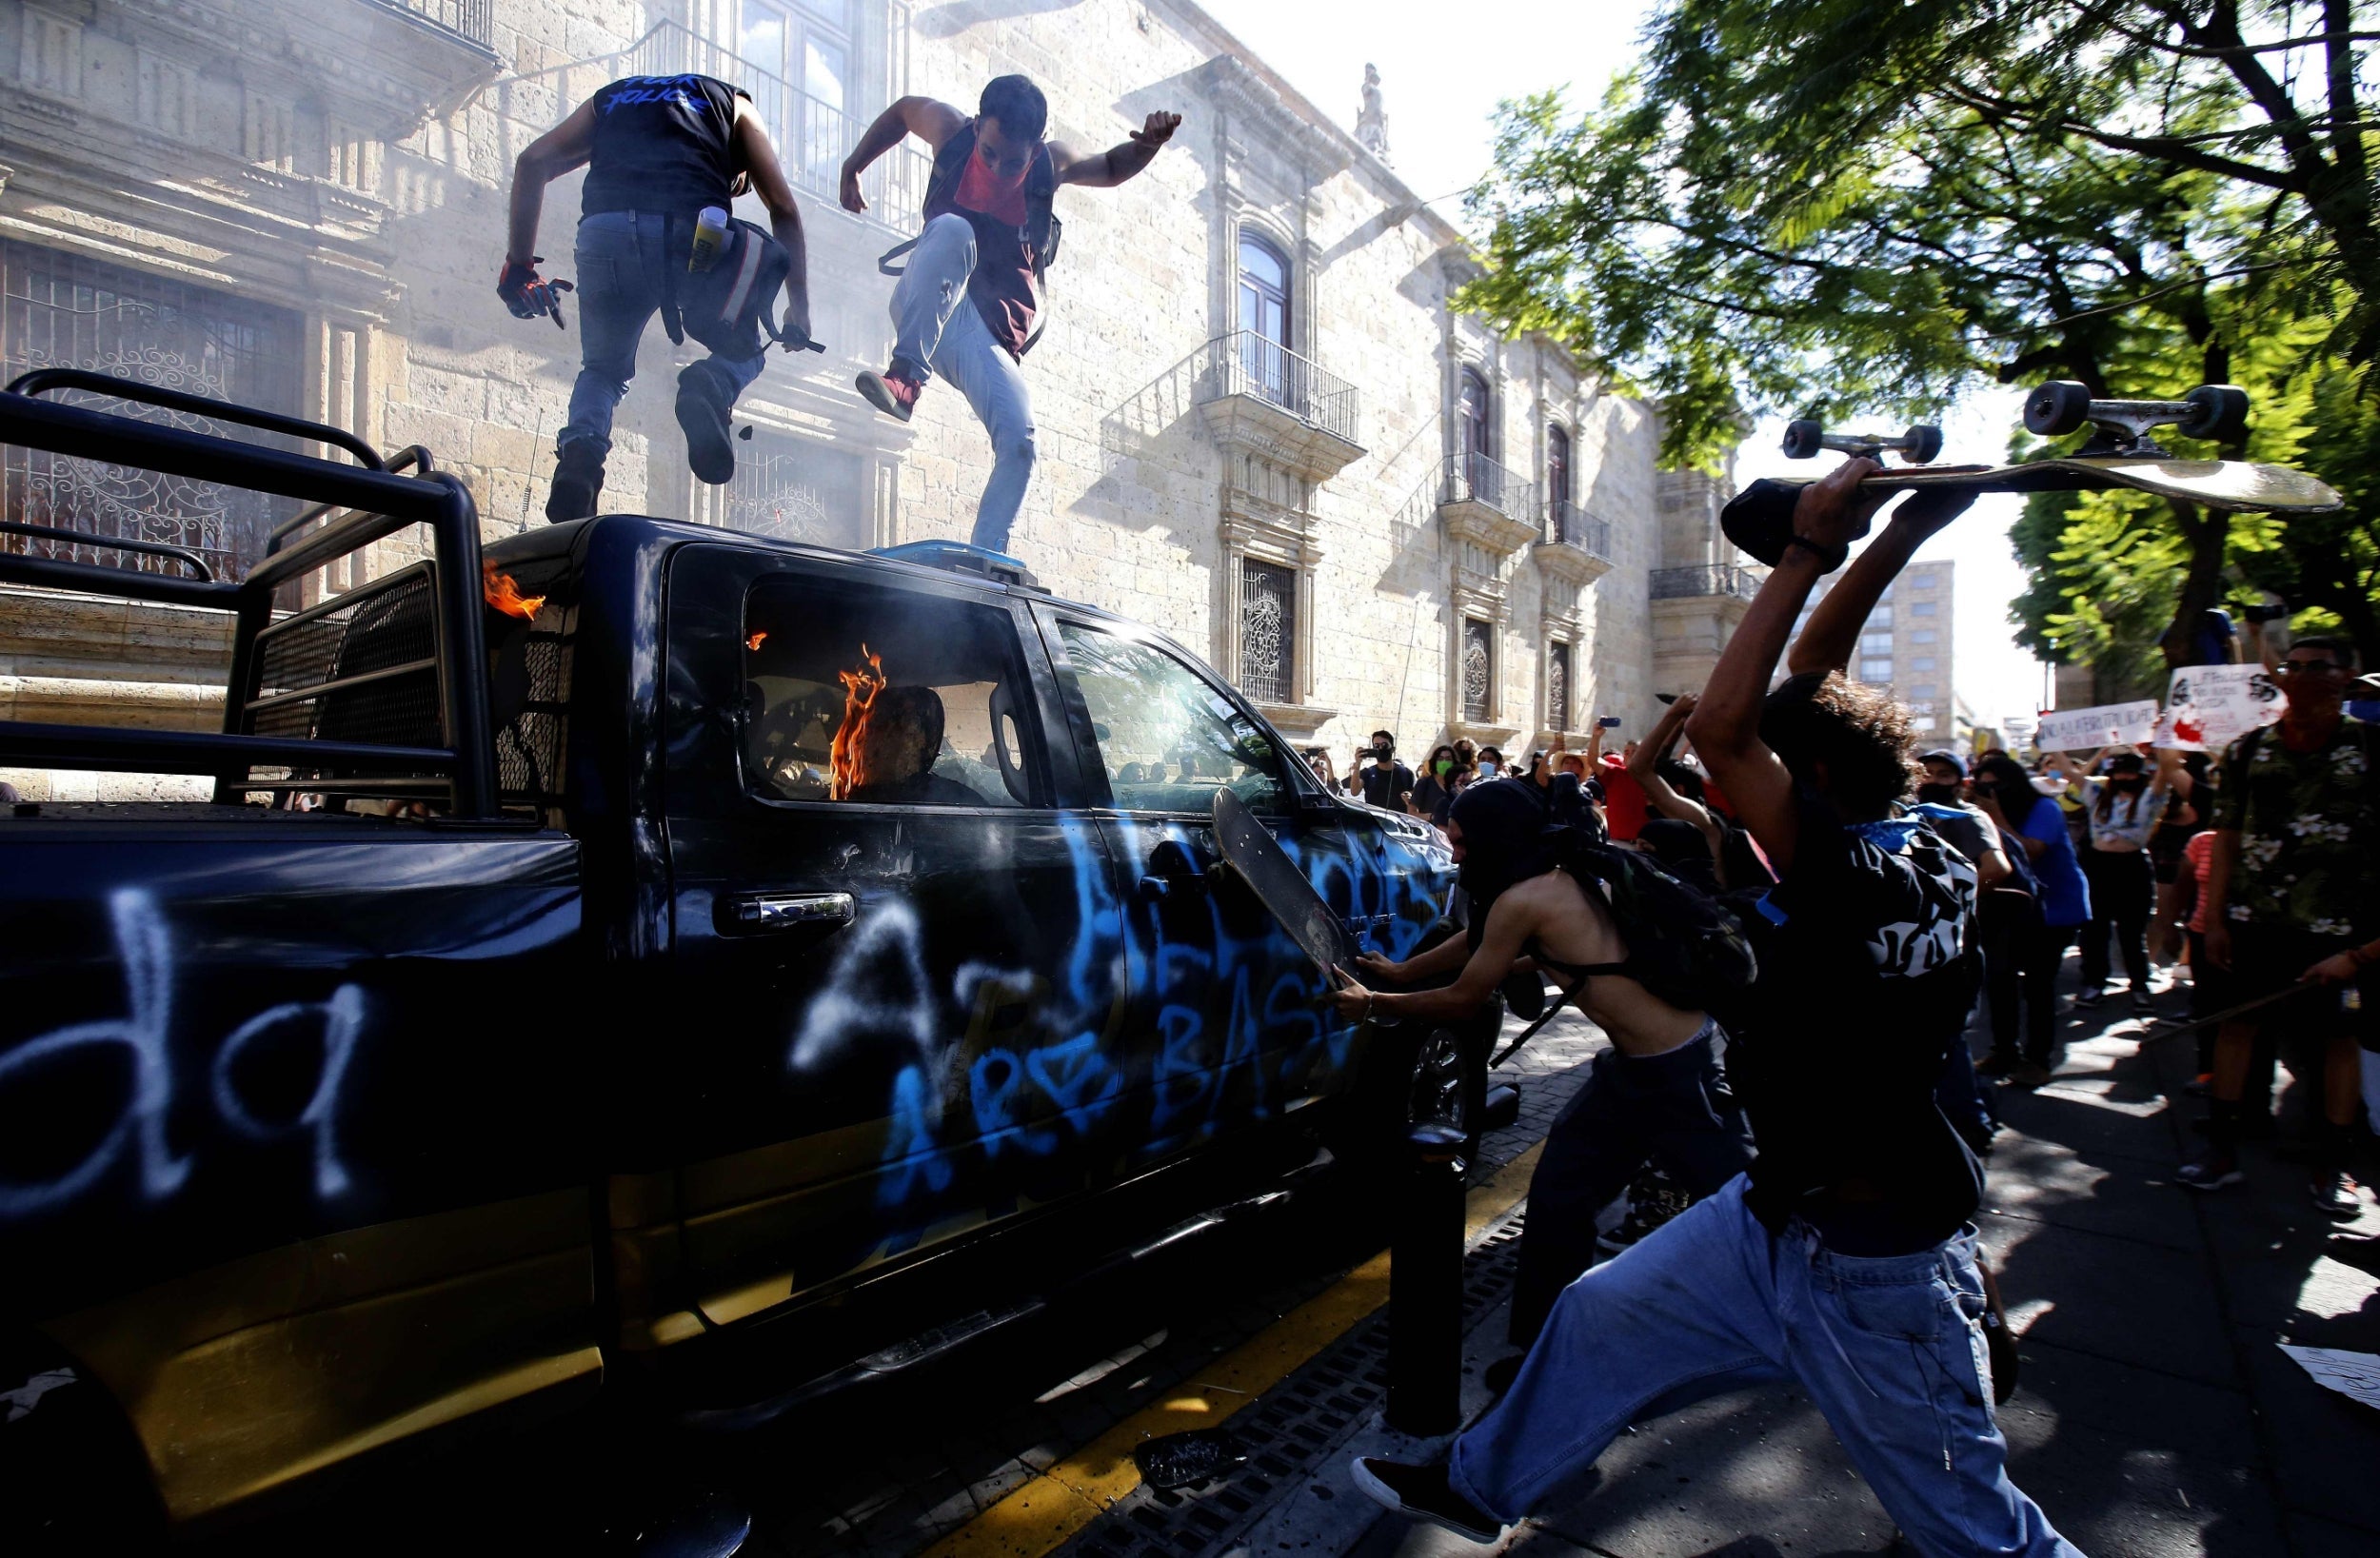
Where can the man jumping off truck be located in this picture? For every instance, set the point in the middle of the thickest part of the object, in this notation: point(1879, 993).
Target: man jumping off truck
point(989, 238)
point(659, 151)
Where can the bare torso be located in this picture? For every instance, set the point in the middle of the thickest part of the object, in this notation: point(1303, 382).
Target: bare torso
point(1570, 926)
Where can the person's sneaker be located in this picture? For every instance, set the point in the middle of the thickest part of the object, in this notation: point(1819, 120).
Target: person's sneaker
point(892, 392)
point(2142, 1005)
point(2200, 1085)
point(2210, 1169)
point(704, 401)
point(1653, 1198)
point(1422, 1492)
point(1998, 1063)
point(2029, 1075)
point(578, 482)
point(2089, 997)
point(2334, 1195)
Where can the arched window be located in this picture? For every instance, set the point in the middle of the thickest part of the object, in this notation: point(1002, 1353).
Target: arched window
point(1264, 318)
point(1474, 413)
point(1558, 485)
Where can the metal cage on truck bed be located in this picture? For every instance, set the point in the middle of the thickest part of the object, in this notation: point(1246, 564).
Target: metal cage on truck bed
point(382, 690)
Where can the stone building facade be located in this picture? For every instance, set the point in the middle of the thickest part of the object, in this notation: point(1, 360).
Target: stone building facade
point(1366, 510)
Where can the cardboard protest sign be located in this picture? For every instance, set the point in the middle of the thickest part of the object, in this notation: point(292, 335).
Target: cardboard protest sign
point(2214, 705)
point(2086, 730)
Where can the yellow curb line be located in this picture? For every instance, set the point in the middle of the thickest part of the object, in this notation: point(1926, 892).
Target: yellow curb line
point(1038, 1516)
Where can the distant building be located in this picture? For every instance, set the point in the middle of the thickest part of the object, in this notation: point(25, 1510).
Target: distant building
point(1906, 645)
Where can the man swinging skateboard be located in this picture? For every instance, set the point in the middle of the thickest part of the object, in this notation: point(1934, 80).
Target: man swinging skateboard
point(989, 237)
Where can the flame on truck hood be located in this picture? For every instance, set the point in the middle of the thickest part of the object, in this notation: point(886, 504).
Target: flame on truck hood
point(499, 591)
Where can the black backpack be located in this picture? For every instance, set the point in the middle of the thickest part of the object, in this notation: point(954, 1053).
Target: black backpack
point(729, 306)
point(1684, 946)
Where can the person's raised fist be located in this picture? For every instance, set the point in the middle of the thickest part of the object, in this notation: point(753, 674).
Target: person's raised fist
point(1157, 129)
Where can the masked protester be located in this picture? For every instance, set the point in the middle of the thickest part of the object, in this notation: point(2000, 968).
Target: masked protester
point(1430, 796)
point(1844, 1259)
point(969, 304)
point(2124, 808)
point(658, 151)
point(1386, 782)
point(1659, 1094)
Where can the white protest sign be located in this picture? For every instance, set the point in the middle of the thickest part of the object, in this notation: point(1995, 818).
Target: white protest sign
point(2086, 730)
point(2215, 705)
point(2353, 1374)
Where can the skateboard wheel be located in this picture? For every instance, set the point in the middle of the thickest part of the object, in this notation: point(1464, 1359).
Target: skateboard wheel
point(2058, 406)
point(1921, 443)
point(1802, 438)
point(2219, 412)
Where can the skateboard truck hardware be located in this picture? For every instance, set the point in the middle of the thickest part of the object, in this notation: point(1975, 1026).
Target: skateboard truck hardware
point(2122, 427)
point(1805, 438)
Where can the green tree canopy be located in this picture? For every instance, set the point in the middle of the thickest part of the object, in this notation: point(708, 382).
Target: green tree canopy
point(1842, 206)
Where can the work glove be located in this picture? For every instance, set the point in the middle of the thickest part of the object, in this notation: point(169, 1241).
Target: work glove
point(527, 294)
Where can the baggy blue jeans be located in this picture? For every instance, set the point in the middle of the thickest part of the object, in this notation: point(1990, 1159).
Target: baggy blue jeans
point(938, 331)
point(618, 254)
point(1890, 1350)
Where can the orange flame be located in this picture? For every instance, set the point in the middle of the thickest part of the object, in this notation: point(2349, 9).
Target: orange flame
point(498, 590)
point(755, 641)
point(860, 687)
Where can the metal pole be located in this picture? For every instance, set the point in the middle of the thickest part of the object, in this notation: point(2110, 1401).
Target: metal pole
point(1426, 1289)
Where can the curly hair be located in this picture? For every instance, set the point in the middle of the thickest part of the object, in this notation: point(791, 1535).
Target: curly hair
point(1863, 735)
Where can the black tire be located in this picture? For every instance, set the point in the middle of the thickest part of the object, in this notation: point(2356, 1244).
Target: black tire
point(1924, 442)
point(2220, 412)
point(72, 1477)
point(1802, 438)
point(2057, 408)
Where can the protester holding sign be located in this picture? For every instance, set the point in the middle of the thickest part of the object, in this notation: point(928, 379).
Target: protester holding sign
point(2124, 808)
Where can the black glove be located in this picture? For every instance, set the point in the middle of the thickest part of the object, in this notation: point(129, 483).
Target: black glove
point(527, 294)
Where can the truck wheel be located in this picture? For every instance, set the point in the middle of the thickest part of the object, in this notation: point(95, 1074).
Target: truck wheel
point(1802, 438)
point(2057, 408)
point(1924, 442)
point(1412, 1076)
point(72, 1477)
point(2218, 412)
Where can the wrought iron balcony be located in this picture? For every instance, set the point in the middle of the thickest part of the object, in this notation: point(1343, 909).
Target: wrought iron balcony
point(1706, 579)
point(1567, 524)
point(474, 21)
point(1260, 394)
point(1476, 479)
point(1244, 363)
point(812, 137)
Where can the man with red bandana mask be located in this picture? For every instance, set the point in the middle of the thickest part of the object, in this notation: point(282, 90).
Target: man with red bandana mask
point(989, 236)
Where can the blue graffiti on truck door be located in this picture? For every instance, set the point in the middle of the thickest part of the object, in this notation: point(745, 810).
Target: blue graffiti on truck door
point(1274, 1043)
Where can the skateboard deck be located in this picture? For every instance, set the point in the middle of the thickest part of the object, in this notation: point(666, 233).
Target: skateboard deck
point(1253, 855)
point(2234, 485)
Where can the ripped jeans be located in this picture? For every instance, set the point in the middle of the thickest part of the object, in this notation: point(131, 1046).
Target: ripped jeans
point(1889, 1349)
point(938, 331)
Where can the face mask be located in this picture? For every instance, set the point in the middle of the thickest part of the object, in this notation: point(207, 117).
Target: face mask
point(1940, 795)
point(1443, 767)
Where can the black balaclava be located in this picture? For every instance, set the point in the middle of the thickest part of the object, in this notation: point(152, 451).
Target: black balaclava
point(1504, 841)
point(1682, 851)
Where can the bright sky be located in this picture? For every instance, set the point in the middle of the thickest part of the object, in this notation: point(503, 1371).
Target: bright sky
point(1440, 88)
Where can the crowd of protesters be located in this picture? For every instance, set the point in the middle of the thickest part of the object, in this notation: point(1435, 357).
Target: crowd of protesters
point(1819, 1137)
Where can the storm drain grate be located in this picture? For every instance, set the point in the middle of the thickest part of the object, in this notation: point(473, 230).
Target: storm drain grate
point(1289, 1432)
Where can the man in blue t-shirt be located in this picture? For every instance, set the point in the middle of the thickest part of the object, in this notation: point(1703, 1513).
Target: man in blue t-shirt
point(1843, 1260)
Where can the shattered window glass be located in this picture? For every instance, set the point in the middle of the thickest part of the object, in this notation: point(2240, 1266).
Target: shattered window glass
point(1167, 737)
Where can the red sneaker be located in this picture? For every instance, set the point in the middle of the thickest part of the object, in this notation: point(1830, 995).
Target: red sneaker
point(890, 392)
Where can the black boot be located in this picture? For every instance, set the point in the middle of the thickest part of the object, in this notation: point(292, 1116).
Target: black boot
point(704, 398)
point(578, 482)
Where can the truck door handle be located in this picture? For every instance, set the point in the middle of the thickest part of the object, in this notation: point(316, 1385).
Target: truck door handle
point(783, 911)
point(1172, 869)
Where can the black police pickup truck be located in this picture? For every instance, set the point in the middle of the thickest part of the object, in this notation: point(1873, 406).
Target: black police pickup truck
point(638, 952)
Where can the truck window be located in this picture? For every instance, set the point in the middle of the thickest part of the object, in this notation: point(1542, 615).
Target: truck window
point(1167, 737)
point(872, 696)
